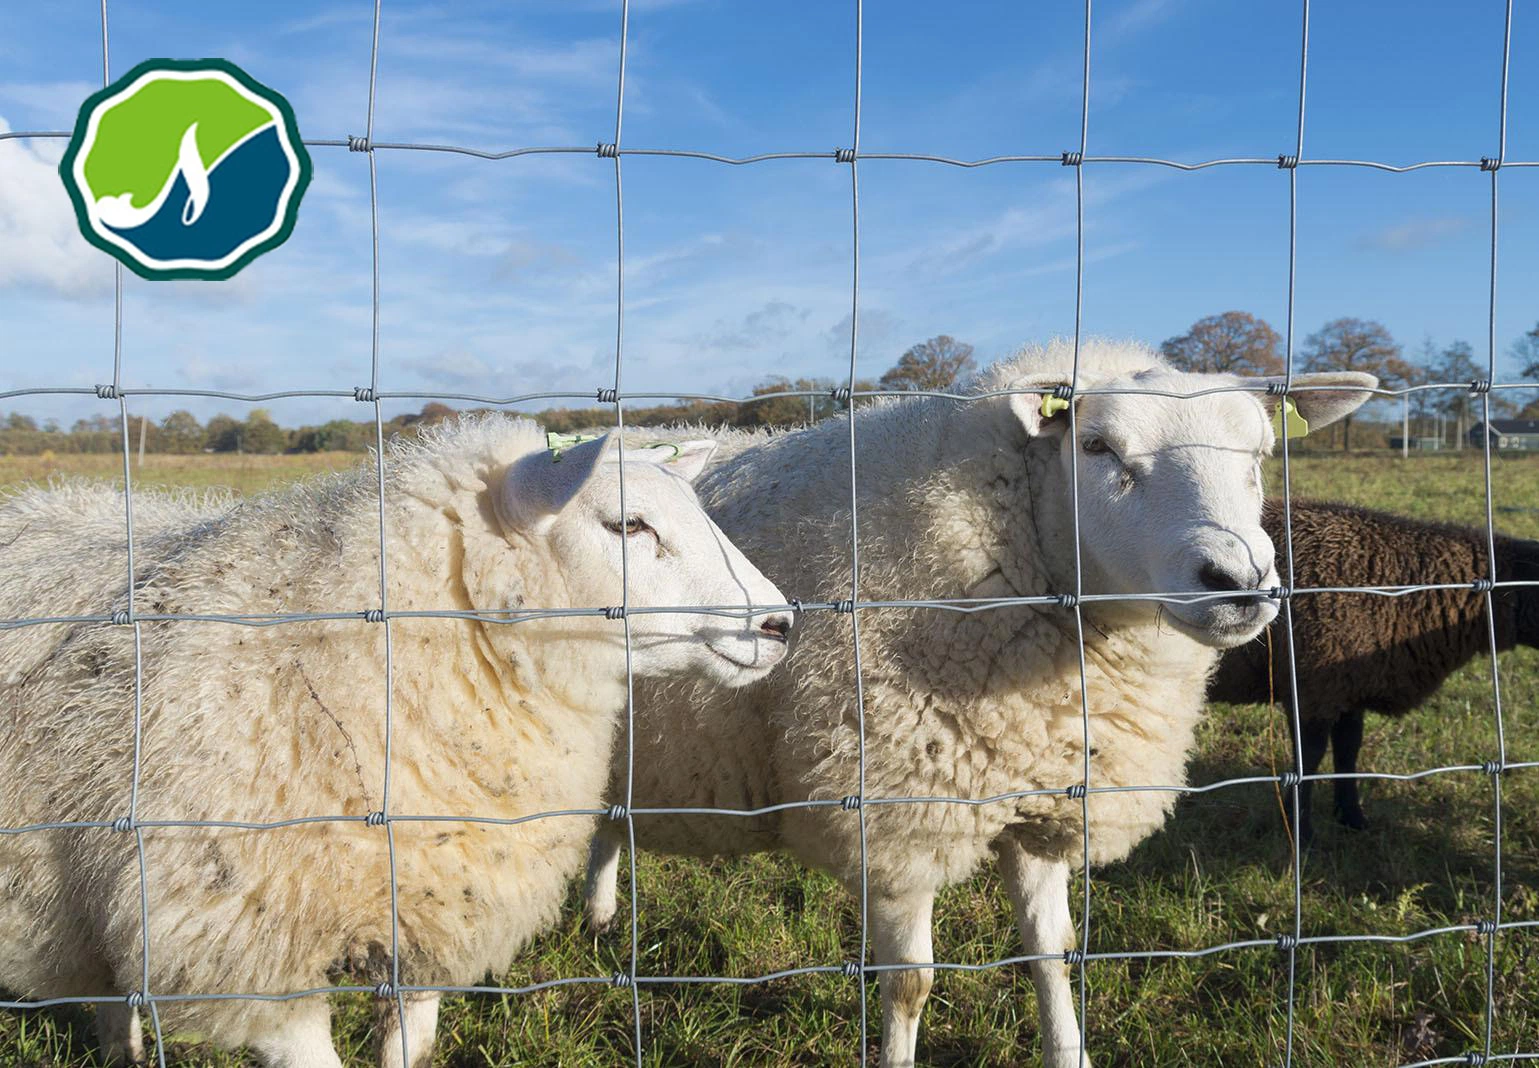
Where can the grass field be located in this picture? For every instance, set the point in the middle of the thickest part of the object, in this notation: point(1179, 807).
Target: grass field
point(1219, 872)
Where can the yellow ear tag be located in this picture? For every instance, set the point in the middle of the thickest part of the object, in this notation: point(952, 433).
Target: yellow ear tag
point(1052, 405)
point(1287, 415)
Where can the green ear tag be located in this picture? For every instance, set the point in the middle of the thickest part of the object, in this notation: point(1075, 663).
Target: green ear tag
point(667, 445)
point(556, 442)
point(1052, 405)
point(1287, 415)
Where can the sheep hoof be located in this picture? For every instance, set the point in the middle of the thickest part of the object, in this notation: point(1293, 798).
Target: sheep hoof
point(1353, 818)
point(601, 919)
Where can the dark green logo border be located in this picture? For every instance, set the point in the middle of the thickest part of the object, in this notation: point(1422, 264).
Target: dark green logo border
point(77, 196)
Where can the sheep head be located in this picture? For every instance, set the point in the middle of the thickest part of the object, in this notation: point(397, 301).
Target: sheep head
point(561, 513)
point(1170, 489)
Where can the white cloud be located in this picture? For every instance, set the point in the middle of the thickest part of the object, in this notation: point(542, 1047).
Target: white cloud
point(54, 104)
point(1414, 234)
point(40, 243)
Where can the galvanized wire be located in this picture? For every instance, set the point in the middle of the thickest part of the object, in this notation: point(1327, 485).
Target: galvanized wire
point(1073, 600)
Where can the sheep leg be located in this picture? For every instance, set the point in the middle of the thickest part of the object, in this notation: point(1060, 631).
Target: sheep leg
point(420, 1022)
point(599, 896)
point(1039, 889)
point(1317, 736)
point(302, 1040)
point(1346, 740)
point(119, 1034)
point(900, 931)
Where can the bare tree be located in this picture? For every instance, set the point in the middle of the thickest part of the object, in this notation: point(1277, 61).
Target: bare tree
point(935, 364)
point(1526, 351)
point(1235, 342)
point(1357, 345)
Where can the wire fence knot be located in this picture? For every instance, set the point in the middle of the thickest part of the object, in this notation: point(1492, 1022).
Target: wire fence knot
point(1485, 927)
point(850, 803)
point(1076, 791)
point(1071, 159)
point(1493, 767)
point(615, 612)
point(1289, 779)
point(1276, 388)
point(1489, 163)
point(607, 150)
point(1287, 163)
point(1480, 385)
point(844, 155)
point(851, 970)
point(1067, 600)
point(620, 980)
point(364, 394)
point(373, 615)
point(617, 812)
point(840, 394)
point(1287, 942)
point(1279, 593)
point(106, 392)
point(384, 991)
point(1482, 585)
point(1074, 956)
point(123, 824)
point(1474, 1058)
point(374, 819)
point(606, 396)
point(1063, 391)
point(844, 607)
point(134, 999)
point(121, 618)
point(359, 144)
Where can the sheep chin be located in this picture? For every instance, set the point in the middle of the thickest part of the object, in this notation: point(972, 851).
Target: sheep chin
point(1218, 632)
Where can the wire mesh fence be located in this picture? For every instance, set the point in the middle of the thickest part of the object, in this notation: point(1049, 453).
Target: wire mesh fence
point(1073, 600)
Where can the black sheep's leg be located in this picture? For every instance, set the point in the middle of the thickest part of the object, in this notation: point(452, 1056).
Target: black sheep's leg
point(1346, 740)
point(1317, 737)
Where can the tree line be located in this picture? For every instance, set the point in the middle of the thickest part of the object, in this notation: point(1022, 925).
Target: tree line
point(1240, 343)
point(934, 364)
point(1233, 342)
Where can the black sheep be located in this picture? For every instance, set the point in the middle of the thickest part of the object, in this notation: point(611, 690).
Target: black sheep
point(1365, 652)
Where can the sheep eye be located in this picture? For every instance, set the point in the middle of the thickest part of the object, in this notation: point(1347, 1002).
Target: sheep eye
point(1095, 446)
point(632, 526)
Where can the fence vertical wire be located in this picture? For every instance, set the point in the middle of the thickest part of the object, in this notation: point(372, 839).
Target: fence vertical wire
point(627, 979)
point(1078, 162)
point(860, 690)
point(1490, 594)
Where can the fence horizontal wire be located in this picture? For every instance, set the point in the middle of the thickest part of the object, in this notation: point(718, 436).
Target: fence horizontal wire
point(856, 804)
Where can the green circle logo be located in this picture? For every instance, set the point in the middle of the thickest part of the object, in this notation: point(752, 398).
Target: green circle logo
point(186, 169)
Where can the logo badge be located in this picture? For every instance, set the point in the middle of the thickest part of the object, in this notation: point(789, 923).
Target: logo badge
point(186, 169)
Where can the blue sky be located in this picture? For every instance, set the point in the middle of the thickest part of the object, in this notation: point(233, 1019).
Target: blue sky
point(498, 277)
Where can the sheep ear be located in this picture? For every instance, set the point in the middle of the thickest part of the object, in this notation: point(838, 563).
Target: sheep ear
point(1041, 413)
point(689, 457)
point(1322, 407)
point(536, 487)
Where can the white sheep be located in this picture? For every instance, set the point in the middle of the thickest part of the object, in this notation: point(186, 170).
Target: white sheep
point(972, 500)
point(269, 723)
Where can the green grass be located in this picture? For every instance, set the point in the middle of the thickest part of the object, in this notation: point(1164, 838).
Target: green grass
point(1219, 872)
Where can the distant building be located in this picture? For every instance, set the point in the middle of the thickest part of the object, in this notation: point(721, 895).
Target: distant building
point(1507, 434)
point(1421, 444)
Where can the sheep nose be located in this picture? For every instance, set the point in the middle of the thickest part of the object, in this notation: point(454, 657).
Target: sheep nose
point(776, 627)
point(1217, 579)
